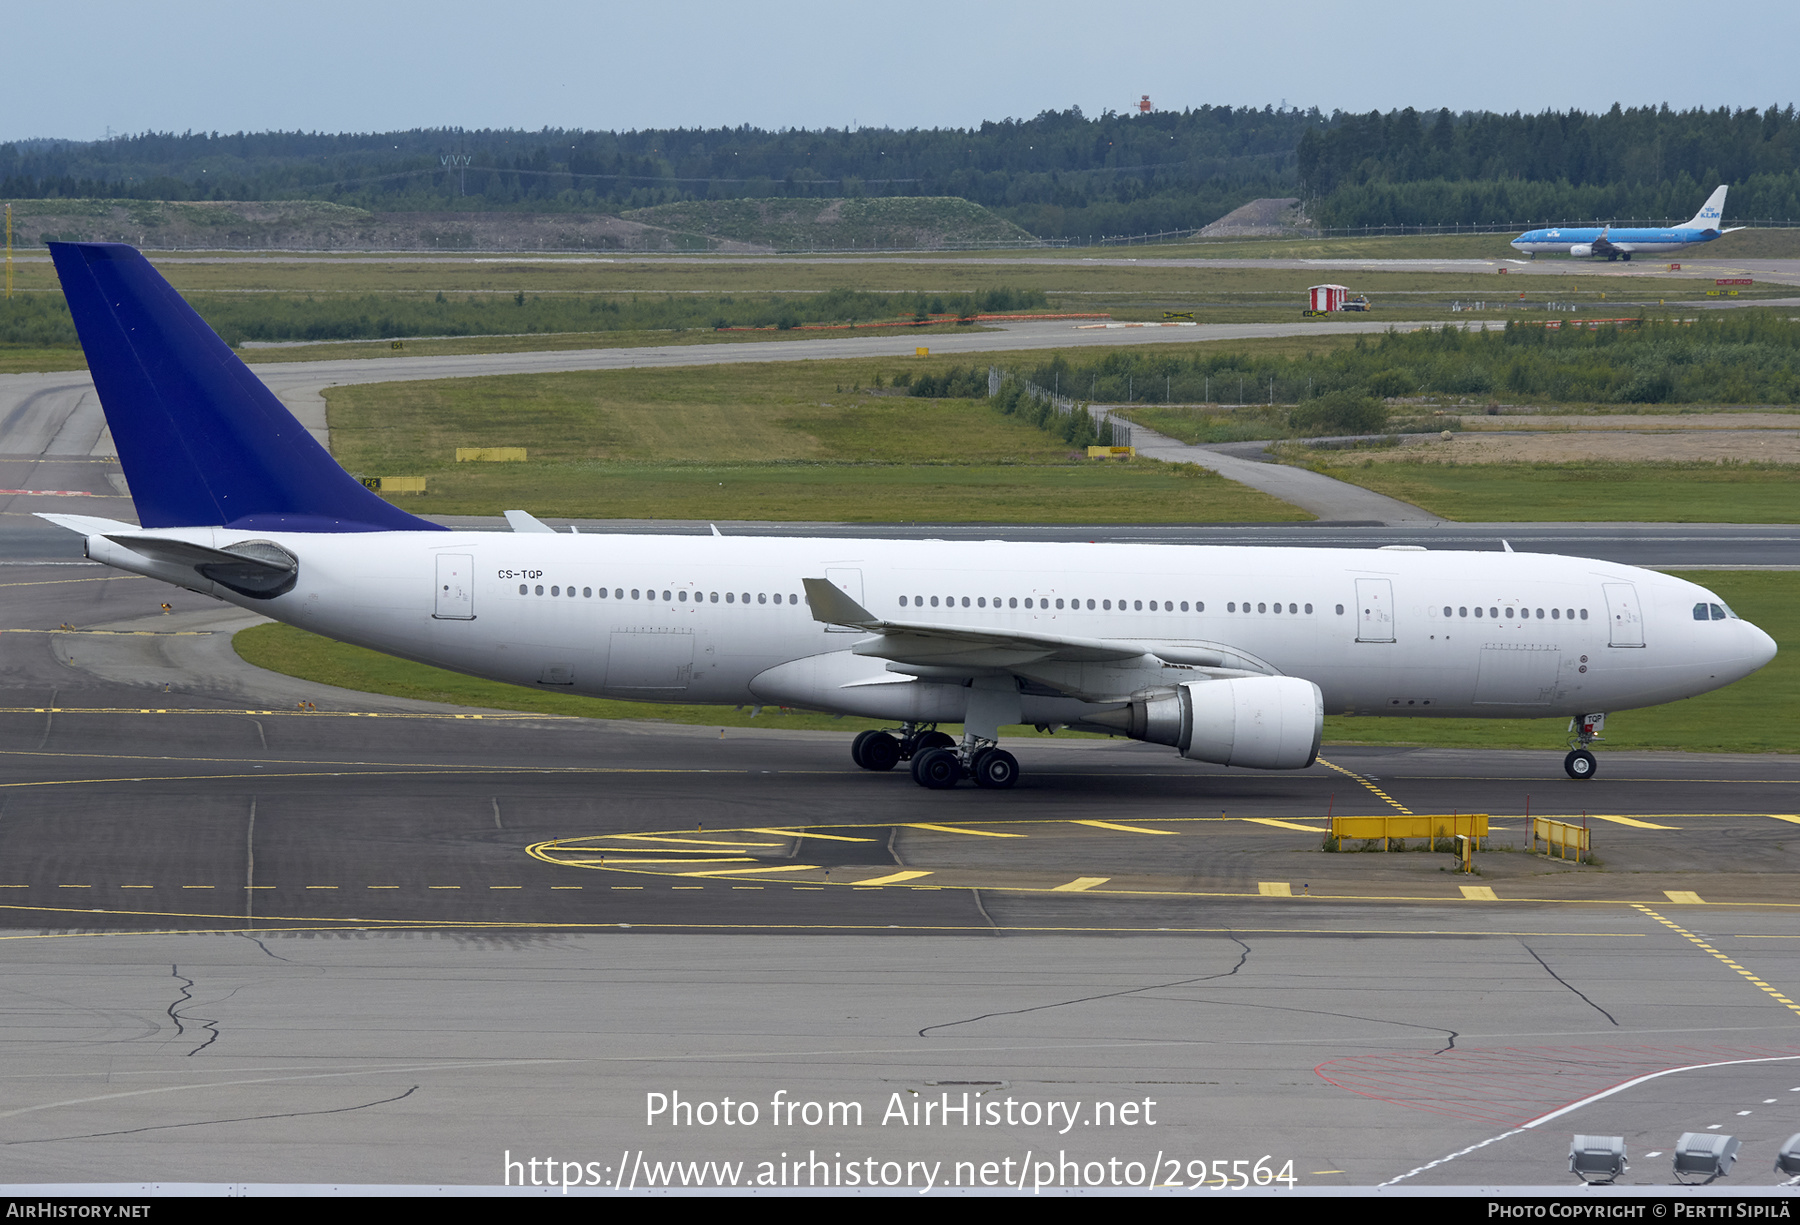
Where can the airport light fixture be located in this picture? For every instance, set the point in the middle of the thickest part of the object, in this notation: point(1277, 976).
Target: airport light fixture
point(1787, 1161)
point(1699, 1152)
point(1597, 1160)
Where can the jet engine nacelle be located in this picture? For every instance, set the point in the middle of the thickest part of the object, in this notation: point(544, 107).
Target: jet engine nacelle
point(1264, 722)
point(1582, 248)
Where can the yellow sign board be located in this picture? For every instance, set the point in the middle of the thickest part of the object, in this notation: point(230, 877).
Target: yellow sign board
point(921, 351)
point(395, 484)
point(1111, 452)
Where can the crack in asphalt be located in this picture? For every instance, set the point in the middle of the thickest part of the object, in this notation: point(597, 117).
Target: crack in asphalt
point(1565, 982)
point(187, 997)
point(1243, 957)
point(254, 1118)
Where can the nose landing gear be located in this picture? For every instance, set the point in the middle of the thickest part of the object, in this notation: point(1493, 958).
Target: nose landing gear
point(1584, 730)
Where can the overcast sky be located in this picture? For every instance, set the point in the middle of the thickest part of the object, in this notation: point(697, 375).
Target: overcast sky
point(78, 67)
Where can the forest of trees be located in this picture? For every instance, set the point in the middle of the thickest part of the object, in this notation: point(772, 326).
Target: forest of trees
point(1061, 174)
point(1647, 164)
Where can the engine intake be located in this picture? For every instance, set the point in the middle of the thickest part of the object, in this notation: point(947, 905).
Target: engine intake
point(1263, 722)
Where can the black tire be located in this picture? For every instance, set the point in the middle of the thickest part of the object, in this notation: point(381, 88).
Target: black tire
point(932, 740)
point(856, 747)
point(879, 752)
point(996, 769)
point(1580, 764)
point(937, 769)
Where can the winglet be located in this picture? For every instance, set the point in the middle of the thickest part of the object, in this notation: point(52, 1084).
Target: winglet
point(831, 606)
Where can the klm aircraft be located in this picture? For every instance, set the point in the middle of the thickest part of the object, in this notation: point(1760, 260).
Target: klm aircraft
point(1227, 655)
point(1623, 244)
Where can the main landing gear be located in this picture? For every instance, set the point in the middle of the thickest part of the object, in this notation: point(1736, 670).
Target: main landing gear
point(1584, 730)
point(938, 761)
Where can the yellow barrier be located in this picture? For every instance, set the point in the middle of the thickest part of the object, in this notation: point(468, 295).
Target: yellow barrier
point(1462, 824)
point(490, 454)
point(395, 484)
point(921, 352)
point(1559, 837)
point(1111, 452)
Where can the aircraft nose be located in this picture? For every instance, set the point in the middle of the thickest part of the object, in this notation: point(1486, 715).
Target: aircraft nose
point(1761, 646)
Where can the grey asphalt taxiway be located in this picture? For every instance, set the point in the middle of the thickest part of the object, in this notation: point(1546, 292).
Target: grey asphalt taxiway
point(380, 941)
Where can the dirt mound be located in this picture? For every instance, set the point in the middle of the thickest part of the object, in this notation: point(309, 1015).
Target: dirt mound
point(1270, 218)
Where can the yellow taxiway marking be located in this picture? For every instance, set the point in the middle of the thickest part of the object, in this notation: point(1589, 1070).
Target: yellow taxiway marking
point(1274, 888)
point(1127, 829)
point(1785, 816)
point(1683, 897)
point(707, 842)
point(804, 832)
point(119, 633)
point(321, 886)
point(1478, 893)
point(1631, 821)
point(51, 582)
point(381, 886)
point(629, 859)
point(1081, 884)
point(952, 829)
point(891, 879)
point(1279, 824)
point(791, 867)
point(313, 714)
point(1702, 943)
point(1365, 782)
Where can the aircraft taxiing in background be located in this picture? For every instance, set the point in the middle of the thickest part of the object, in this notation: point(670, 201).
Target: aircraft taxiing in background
point(1229, 655)
point(1617, 244)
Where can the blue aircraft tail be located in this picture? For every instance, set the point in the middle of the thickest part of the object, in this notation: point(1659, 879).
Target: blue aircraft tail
point(202, 441)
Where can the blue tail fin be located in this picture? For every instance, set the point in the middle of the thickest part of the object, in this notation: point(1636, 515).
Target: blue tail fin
point(202, 441)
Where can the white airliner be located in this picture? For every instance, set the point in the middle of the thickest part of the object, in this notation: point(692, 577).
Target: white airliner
point(1615, 244)
point(1229, 655)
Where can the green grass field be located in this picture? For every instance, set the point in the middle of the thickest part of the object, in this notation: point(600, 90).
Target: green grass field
point(1585, 492)
point(772, 442)
point(1759, 714)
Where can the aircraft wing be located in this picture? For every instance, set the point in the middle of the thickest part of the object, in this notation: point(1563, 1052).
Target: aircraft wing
point(945, 648)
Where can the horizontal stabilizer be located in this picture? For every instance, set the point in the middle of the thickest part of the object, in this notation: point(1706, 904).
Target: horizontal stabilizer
point(256, 568)
point(202, 441)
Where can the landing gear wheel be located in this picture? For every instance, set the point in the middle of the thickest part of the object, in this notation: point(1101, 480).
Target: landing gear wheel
point(1580, 764)
point(856, 747)
point(995, 768)
point(933, 740)
point(879, 752)
point(938, 769)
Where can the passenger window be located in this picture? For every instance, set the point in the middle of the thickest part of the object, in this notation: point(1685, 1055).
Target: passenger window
point(1493, 612)
point(1090, 606)
point(714, 598)
point(1584, 614)
point(540, 589)
point(903, 601)
point(965, 601)
point(1340, 610)
point(731, 597)
point(683, 597)
point(1446, 610)
point(1261, 607)
point(524, 590)
point(1059, 603)
point(571, 593)
point(762, 597)
point(981, 602)
point(1556, 614)
point(1106, 605)
point(555, 591)
point(1028, 601)
point(1478, 614)
point(1013, 603)
point(1231, 606)
point(1509, 614)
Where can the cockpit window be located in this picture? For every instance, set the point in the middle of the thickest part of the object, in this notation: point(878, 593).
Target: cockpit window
point(1700, 613)
point(1720, 613)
